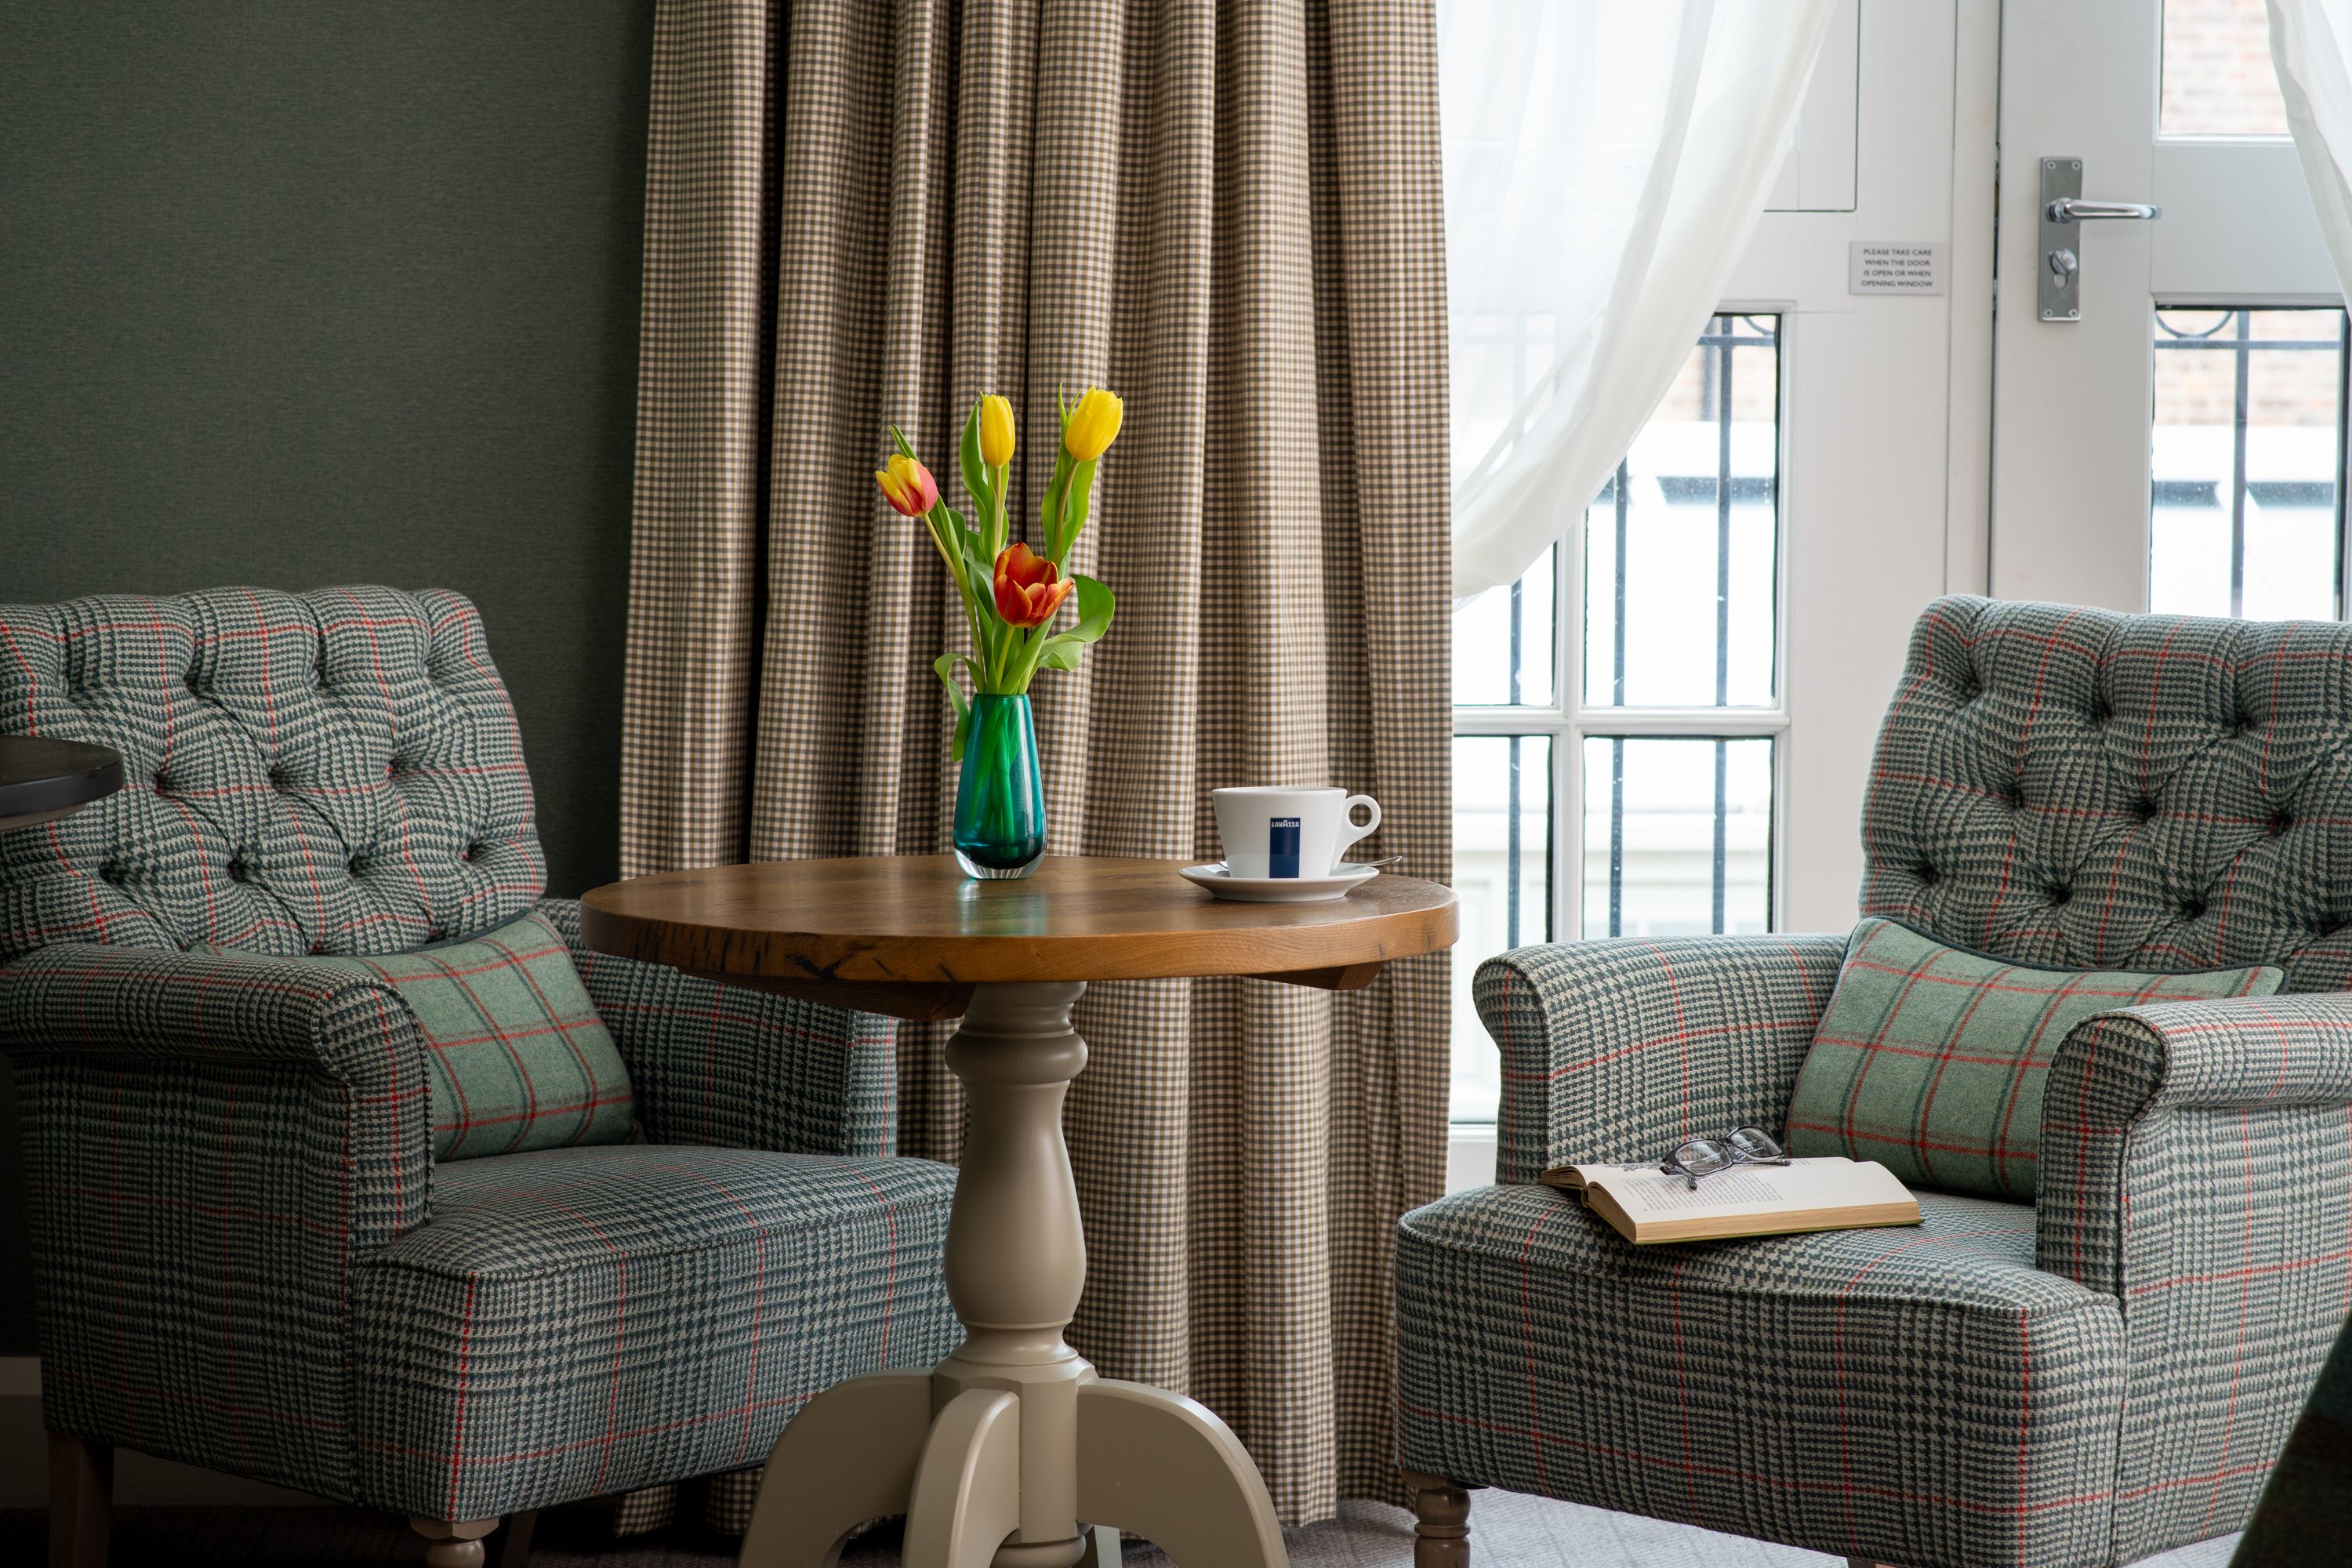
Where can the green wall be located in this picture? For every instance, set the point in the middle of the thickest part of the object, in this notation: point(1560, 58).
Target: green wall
point(295, 294)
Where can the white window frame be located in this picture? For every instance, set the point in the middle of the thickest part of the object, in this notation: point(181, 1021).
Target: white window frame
point(1568, 720)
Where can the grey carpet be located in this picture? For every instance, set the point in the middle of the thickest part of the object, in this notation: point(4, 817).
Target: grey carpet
point(1507, 1532)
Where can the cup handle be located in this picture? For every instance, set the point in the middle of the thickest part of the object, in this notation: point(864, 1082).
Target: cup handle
point(1350, 833)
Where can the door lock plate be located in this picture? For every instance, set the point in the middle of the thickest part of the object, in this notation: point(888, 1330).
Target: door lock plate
point(2058, 281)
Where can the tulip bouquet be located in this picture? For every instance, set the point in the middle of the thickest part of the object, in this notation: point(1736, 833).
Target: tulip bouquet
point(1011, 591)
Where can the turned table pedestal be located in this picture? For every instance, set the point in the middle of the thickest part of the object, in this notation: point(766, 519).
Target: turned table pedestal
point(1000, 1452)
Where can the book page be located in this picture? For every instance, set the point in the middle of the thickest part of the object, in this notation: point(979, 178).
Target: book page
point(1648, 1192)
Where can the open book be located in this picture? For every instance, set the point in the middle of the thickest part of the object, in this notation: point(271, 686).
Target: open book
point(1647, 1203)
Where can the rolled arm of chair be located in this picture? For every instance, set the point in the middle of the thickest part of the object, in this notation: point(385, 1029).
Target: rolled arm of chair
point(2244, 1100)
point(2196, 1164)
point(161, 1003)
point(738, 1068)
point(212, 1144)
point(1615, 1049)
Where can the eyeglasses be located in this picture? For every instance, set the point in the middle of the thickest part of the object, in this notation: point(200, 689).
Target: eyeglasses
point(1712, 1156)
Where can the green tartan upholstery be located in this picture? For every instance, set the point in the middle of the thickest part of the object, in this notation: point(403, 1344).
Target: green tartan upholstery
point(1933, 1060)
point(2103, 1376)
point(244, 1254)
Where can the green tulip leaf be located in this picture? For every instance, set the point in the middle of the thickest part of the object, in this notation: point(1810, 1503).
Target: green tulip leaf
point(944, 668)
point(1095, 608)
point(1074, 516)
point(898, 439)
point(1062, 653)
point(975, 475)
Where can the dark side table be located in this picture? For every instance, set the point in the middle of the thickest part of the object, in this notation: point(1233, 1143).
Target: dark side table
point(42, 780)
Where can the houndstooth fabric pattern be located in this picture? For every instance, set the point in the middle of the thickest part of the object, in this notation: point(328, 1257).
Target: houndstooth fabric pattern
point(2080, 789)
point(860, 211)
point(1922, 1395)
point(331, 772)
point(738, 1068)
point(2197, 1168)
point(576, 1321)
point(1620, 1049)
point(212, 1147)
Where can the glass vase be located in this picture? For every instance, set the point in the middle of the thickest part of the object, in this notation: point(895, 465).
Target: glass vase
point(1000, 820)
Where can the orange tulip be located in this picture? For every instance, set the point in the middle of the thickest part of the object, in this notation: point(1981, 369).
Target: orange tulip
point(1027, 591)
point(911, 491)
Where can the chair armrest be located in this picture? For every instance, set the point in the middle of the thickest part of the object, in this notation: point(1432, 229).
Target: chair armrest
point(2152, 1100)
point(737, 1068)
point(210, 1146)
point(2196, 1165)
point(1617, 1050)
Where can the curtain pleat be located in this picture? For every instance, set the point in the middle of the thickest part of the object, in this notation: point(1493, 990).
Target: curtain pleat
point(1231, 215)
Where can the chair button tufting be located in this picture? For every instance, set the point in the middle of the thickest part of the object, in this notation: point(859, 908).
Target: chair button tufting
point(109, 873)
point(1928, 875)
point(358, 865)
point(162, 784)
point(2102, 716)
point(2144, 810)
point(237, 871)
point(317, 949)
point(277, 779)
point(2062, 895)
point(2192, 909)
point(2281, 822)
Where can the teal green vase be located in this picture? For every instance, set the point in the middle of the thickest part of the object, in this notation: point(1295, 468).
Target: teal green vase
point(1000, 820)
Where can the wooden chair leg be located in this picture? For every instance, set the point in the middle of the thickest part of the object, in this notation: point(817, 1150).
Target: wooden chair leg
point(1440, 1531)
point(81, 1498)
point(514, 1546)
point(454, 1545)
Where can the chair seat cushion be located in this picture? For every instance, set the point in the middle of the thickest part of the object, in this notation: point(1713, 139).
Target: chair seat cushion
point(1921, 1395)
point(578, 1322)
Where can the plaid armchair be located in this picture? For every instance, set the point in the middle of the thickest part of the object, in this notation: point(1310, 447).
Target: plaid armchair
point(244, 1254)
point(2102, 1375)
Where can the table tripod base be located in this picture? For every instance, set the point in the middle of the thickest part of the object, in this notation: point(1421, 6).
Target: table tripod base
point(1148, 1461)
point(997, 1453)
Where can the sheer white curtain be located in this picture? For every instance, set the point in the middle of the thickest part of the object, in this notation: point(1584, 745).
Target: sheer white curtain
point(1605, 163)
point(2309, 44)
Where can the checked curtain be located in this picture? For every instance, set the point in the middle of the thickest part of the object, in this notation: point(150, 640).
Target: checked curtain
point(861, 211)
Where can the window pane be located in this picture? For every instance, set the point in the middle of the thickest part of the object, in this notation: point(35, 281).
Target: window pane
point(1503, 646)
point(1679, 546)
point(2247, 445)
point(2218, 79)
point(1677, 836)
point(1502, 856)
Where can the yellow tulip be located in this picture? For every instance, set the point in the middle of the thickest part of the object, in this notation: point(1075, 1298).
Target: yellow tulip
point(1093, 424)
point(996, 431)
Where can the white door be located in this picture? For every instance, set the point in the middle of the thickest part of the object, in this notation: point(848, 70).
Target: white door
point(2167, 420)
point(1665, 729)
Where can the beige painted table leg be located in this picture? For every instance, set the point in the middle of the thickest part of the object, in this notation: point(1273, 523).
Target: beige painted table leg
point(1018, 1439)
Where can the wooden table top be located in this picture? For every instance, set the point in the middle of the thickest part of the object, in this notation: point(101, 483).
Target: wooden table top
point(42, 780)
point(910, 935)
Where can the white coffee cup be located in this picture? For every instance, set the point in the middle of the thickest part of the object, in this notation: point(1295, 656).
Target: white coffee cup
point(1288, 832)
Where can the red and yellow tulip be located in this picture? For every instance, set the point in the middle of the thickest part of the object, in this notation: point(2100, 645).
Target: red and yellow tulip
point(911, 491)
point(1029, 588)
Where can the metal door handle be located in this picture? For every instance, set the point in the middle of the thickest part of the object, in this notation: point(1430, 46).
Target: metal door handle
point(2073, 209)
point(2058, 285)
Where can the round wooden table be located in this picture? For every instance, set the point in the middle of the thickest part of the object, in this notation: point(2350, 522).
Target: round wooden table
point(998, 1452)
point(42, 780)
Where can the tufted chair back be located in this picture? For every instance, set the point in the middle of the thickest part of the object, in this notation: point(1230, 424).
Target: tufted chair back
point(2080, 789)
point(332, 771)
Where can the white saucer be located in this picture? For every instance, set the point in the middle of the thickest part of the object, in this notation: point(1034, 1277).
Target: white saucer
point(1277, 890)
